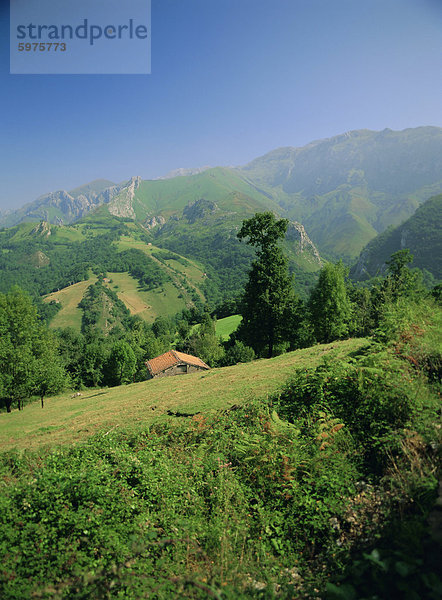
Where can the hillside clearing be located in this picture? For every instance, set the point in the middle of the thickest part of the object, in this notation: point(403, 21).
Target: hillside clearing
point(227, 325)
point(128, 291)
point(182, 274)
point(66, 419)
point(69, 315)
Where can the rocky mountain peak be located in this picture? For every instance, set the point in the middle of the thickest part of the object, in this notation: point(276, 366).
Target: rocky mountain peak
point(43, 229)
point(121, 205)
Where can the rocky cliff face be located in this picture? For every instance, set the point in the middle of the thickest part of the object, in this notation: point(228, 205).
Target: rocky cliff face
point(43, 229)
point(152, 222)
point(297, 236)
point(72, 208)
point(61, 207)
point(122, 204)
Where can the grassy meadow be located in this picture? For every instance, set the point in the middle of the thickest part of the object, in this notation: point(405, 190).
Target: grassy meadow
point(147, 304)
point(69, 298)
point(66, 419)
point(224, 327)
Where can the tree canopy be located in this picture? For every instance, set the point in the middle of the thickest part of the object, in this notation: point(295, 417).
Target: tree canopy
point(28, 363)
point(269, 300)
point(329, 305)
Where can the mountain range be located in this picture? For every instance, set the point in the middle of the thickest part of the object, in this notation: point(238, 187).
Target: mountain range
point(159, 246)
point(344, 190)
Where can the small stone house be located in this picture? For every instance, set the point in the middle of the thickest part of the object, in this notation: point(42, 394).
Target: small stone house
point(174, 363)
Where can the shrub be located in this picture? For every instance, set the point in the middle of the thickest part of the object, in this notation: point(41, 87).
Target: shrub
point(238, 353)
point(375, 396)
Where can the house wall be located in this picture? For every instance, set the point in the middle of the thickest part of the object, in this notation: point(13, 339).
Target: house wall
point(180, 369)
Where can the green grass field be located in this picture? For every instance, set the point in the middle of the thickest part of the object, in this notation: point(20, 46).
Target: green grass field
point(125, 242)
point(66, 234)
point(164, 301)
point(226, 326)
point(148, 305)
point(67, 419)
point(191, 269)
point(22, 232)
point(137, 301)
point(69, 298)
point(191, 272)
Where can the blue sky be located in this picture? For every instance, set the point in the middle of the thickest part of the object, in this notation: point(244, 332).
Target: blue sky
point(231, 80)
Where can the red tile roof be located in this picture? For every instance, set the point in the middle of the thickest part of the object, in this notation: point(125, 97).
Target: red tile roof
point(172, 358)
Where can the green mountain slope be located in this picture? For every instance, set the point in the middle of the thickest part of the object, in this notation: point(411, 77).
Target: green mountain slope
point(421, 234)
point(223, 186)
point(193, 258)
point(198, 217)
point(344, 190)
point(207, 233)
point(391, 161)
point(348, 188)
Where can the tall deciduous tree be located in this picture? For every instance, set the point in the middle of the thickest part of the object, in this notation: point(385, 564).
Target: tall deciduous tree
point(48, 373)
point(269, 299)
point(329, 305)
point(24, 350)
point(400, 280)
point(122, 364)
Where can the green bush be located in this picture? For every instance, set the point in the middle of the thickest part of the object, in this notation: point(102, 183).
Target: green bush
point(375, 396)
point(413, 329)
point(238, 353)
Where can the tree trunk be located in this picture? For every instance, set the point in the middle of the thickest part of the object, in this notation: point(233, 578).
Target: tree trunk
point(42, 401)
point(8, 405)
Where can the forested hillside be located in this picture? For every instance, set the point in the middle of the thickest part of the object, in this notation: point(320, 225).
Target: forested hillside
point(421, 234)
point(104, 328)
point(154, 272)
point(45, 258)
